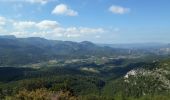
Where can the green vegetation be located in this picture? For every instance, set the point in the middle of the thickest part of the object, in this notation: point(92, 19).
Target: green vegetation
point(74, 84)
point(31, 69)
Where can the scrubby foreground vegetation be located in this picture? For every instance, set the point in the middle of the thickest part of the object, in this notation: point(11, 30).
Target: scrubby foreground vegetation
point(58, 70)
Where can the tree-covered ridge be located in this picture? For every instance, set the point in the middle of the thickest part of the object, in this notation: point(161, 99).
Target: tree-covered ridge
point(139, 82)
point(152, 79)
point(20, 51)
point(40, 69)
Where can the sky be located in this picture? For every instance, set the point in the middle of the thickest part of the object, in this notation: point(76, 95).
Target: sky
point(99, 21)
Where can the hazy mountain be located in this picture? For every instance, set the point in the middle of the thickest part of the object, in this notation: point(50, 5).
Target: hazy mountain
point(138, 45)
point(8, 36)
point(34, 49)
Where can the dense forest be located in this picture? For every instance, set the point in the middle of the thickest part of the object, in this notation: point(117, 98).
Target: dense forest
point(57, 70)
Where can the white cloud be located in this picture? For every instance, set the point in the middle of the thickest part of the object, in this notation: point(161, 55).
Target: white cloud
point(85, 30)
point(118, 9)
point(2, 31)
point(42, 25)
point(29, 1)
point(70, 32)
point(22, 25)
point(74, 32)
point(20, 33)
point(2, 20)
point(51, 29)
point(47, 24)
point(46, 28)
point(38, 1)
point(63, 9)
point(77, 31)
point(73, 35)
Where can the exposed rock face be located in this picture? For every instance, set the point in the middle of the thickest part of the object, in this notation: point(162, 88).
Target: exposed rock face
point(158, 74)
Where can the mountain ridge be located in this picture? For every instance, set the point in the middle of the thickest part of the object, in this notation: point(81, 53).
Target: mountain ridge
point(18, 49)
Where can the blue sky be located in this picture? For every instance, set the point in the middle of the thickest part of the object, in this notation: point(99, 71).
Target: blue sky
point(100, 21)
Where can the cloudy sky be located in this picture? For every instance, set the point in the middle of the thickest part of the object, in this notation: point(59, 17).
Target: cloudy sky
point(100, 21)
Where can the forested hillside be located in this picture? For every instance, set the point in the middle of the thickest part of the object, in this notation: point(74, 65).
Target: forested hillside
point(40, 69)
point(20, 51)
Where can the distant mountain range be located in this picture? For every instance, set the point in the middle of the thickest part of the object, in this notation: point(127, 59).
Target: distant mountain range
point(138, 45)
point(14, 51)
point(153, 48)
